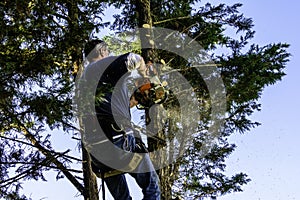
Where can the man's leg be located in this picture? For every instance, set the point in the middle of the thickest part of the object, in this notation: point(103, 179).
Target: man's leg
point(147, 179)
point(149, 183)
point(118, 188)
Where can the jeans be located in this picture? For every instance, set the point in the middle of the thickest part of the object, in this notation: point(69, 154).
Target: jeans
point(147, 181)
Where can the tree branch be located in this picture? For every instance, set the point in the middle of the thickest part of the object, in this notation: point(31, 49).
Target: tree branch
point(51, 157)
point(171, 19)
point(33, 163)
point(23, 174)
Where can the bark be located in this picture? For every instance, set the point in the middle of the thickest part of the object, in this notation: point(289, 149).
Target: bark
point(145, 22)
point(89, 179)
point(148, 53)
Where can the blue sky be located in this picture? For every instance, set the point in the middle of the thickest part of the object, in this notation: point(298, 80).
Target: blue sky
point(269, 154)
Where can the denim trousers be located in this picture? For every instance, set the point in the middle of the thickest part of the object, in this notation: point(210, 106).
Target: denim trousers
point(147, 180)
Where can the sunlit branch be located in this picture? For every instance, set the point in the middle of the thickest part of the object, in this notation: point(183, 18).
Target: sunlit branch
point(171, 19)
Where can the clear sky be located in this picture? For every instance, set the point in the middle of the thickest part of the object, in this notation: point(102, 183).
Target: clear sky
point(269, 154)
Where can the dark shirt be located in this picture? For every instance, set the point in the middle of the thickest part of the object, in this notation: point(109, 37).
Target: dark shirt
point(112, 94)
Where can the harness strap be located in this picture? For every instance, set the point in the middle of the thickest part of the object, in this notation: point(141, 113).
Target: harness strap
point(103, 186)
point(114, 137)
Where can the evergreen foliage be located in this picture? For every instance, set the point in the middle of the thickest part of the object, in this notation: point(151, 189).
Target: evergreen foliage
point(246, 69)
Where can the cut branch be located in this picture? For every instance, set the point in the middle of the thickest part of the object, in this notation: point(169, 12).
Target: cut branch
point(171, 19)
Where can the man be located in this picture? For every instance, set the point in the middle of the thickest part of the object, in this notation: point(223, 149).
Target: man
point(95, 50)
point(115, 77)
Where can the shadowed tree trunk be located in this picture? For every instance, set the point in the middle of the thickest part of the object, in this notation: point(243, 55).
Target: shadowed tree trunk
point(153, 124)
point(89, 179)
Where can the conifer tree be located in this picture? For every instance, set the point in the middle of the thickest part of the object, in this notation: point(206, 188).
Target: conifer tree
point(246, 69)
point(41, 44)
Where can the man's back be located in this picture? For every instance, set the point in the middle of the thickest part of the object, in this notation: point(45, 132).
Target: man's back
point(111, 95)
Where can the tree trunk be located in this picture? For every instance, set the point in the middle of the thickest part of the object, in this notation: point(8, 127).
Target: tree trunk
point(89, 179)
point(166, 174)
point(148, 53)
point(145, 23)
